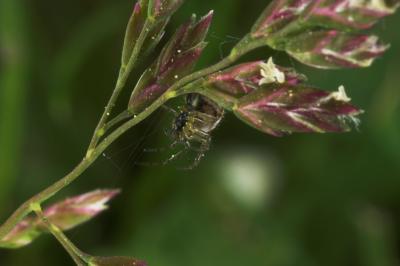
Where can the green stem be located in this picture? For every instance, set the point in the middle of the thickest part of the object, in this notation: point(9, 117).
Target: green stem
point(119, 118)
point(183, 86)
point(80, 258)
point(246, 45)
point(121, 81)
point(44, 195)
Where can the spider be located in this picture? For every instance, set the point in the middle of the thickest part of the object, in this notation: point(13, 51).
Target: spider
point(193, 125)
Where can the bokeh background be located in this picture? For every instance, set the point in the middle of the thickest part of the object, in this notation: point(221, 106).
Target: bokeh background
point(307, 200)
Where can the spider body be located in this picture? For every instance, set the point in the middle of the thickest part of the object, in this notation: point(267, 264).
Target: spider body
point(194, 124)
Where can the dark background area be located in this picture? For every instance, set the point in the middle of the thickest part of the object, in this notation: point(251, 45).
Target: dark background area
point(307, 200)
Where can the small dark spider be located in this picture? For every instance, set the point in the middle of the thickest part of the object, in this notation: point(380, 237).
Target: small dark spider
point(193, 125)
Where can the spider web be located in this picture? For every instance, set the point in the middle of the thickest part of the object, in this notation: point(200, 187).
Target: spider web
point(134, 153)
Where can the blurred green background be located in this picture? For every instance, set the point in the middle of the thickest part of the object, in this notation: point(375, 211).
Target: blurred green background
point(307, 200)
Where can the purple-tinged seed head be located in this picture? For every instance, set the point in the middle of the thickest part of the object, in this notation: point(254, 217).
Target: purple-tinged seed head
point(279, 109)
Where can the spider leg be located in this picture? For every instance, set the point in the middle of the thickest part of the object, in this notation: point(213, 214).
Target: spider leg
point(173, 144)
point(202, 135)
point(169, 109)
point(173, 157)
point(195, 163)
point(205, 121)
point(204, 139)
point(189, 146)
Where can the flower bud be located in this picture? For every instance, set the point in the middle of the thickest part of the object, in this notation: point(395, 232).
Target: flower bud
point(177, 59)
point(333, 49)
point(133, 30)
point(65, 215)
point(22, 234)
point(227, 86)
point(77, 210)
point(163, 9)
point(116, 261)
point(279, 109)
point(278, 15)
point(136, 26)
point(349, 14)
point(316, 32)
point(291, 16)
